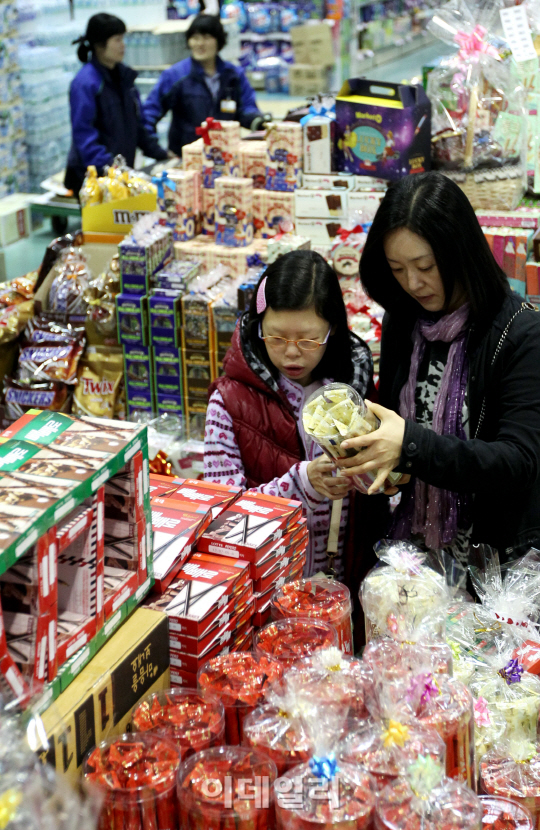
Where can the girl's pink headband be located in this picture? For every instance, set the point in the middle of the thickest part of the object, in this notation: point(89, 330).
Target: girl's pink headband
point(261, 297)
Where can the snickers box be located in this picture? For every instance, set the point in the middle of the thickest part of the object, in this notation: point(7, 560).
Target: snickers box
point(216, 497)
point(250, 526)
point(177, 524)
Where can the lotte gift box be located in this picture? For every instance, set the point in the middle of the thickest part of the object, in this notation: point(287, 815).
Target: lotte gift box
point(383, 129)
point(176, 524)
point(284, 156)
point(233, 211)
point(221, 149)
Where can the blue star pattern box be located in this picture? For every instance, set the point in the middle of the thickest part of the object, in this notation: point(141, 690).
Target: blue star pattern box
point(383, 129)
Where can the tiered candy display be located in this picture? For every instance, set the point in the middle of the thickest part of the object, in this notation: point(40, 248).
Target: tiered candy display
point(317, 598)
point(290, 639)
point(226, 787)
point(192, 722)
point(239, 680)
point(137, 774)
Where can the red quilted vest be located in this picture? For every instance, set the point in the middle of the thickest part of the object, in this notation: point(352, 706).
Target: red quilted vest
point(263, 422)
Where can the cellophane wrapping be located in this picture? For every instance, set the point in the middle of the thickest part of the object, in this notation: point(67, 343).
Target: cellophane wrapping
point(192, 721)
point(391, 740)
point(323, 667)
point(334, 414)
point(226, 788)
point(423, 799)
point(293, 638)
point(392, 659)
point(512, 769)
point(137, 775)
point(239, 681)
point(479, 128)
point(317, 598)
point(499, 813)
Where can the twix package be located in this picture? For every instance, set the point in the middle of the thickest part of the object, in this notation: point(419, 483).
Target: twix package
point(98, 382)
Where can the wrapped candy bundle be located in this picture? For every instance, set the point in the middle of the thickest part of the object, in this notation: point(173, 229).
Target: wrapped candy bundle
point(189, 720)
point(323, 793)
point(291, 639)
point(137, 774)
point(512, 770)
point(407, 593)
point(392, 659)
point(323, 666)
point(446, 705)
point(333, 415)
point(387, 745)
point(318, 598)
point(226, 787)
point(423, 799)
point(239, 680)
point(489, 727)
point(478, 119)
point(503, 814)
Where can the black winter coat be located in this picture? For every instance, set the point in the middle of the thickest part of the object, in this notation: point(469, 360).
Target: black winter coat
point(500, 463)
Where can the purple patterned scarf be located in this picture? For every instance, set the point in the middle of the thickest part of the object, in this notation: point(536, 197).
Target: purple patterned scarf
point(430, 511)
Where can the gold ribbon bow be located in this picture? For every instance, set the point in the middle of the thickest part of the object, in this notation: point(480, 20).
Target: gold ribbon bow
point(397, 734)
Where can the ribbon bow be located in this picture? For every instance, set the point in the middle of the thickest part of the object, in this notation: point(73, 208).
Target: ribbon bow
point(318, 109)
point(254, 260)
point(481, 712)
point(426, 684)
point(161, 181)
point(473, 44)
point(324, 767)
point(344, 234)
point(397, 734)
point(206, 126)
point(511, 672)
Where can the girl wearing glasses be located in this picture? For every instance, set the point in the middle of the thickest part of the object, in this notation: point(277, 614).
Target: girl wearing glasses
point(293, 339)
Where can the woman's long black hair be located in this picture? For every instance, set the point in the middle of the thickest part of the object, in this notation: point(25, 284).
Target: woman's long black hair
point(435, 208)
point(99, 29)
point(300, 280)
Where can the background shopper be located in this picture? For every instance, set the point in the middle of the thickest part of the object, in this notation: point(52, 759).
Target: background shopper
point(460, 363)
point(201, 86)
point(106, 116)
point(293, 340)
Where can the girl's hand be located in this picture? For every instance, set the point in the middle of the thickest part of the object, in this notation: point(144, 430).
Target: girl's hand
point(320, 476)
point(380, 450)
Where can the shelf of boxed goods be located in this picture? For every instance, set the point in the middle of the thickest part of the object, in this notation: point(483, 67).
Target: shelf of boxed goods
point(407, 46)
point(75, 544)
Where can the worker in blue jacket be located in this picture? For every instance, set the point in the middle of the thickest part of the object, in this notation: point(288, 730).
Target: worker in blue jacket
point(106, 113)
point(202, 86)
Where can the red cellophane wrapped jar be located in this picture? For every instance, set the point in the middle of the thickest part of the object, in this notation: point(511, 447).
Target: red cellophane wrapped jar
point(227, 788)
point(137, 775)
point(291, 639)
point(512, 770)
point(503, 814)
point(239, 680)
point(323, 667)
point(190, 720)
point(423, 799)
point(388, 743)
point(318, 598)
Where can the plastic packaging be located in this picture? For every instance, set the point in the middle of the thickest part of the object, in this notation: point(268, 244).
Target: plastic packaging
point(226, 787)
point(501, 813)
point(332, 415)
point(479, 127)
point(392, 740)
point(323, 666)
point(238, 680)
point(68, 288)
point(290, 639)
point(392, 659)
point(512, 770)
point(90, 193)
point(323, 793)
point(406, 593)
point(317, 598)
point(424, 800)
point(191, 721)
point(137, 775)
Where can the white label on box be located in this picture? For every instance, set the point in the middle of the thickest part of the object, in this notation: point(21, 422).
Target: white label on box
point(45, 575)
point(139, 488)
point(77, 528)
point(174, 626)
point(227, 551)
point(79, 643)
point(29, 540)
point(13, 680)
point(100, 520)
point(99, 593)
point(80, 660)
point(121, 598)
point(518, 34)
point(65, 508)
point(146, 476)
point(144, 587)
point(130, 452)
point(52, 640)
point(112, 623)
point(52, 563)
point(320, 204)
point(101, 479)
point(42, 658)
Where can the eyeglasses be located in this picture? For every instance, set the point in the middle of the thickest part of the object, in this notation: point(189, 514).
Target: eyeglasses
point(281, 342)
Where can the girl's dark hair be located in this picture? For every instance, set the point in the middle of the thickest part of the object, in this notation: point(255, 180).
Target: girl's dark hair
point(301, 280)
point(435, 208)
point(99, 29)
point(208, 24)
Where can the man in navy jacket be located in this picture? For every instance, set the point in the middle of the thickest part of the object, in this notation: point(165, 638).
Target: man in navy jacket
point(202, 86)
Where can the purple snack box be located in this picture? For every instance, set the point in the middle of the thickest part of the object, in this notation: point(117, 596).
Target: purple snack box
point(383, 129)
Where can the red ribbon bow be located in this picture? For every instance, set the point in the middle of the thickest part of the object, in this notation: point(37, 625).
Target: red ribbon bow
point(206, 126)
point(344, 234)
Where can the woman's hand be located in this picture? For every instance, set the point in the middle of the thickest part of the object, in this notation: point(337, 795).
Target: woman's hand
point(379, 451)
point(320, 476)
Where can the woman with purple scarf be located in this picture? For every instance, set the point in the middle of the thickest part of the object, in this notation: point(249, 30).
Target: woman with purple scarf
point(459, 377)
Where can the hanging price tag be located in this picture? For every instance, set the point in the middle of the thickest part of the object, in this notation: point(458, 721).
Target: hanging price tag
point(517, 33)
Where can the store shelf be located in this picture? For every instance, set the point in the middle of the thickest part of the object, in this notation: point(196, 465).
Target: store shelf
point(392, 53)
